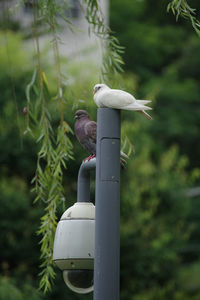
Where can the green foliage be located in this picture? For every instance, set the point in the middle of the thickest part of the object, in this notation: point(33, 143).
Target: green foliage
point(154, 242)
point(182, 8)
point(153, 229)
point(159, 224)
point(56, 147)
point(9, 291)
point(52, 158)
point(12, 55)
point(111, 59)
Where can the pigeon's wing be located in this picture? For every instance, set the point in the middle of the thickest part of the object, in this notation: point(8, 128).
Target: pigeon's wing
point(91, 130)
point(143, 102)
point(136, 106)
point(115, 98)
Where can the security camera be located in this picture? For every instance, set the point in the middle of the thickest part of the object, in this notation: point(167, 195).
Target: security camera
point(73, 249)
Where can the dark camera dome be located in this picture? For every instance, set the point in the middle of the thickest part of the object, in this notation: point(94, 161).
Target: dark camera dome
point(79, 281)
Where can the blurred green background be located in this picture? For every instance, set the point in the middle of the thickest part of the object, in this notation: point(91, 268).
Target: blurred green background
point(160, 221)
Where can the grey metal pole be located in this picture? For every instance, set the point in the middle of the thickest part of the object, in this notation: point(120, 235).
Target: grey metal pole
point(83, 184)
point(107, 203)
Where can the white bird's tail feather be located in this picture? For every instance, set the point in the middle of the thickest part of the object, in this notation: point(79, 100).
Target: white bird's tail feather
point(136, 107)
point(145, 114)
point(143, 101)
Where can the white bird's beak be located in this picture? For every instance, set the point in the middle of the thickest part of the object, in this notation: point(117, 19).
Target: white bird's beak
point(95, 90)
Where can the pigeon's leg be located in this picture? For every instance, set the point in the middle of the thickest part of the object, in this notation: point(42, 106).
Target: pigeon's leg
point(92, 156)
point(89, 157)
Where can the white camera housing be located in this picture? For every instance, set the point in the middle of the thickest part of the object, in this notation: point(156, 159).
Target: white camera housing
point(73, 249)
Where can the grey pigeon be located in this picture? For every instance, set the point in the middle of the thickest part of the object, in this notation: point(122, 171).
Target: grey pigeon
point(86, 132)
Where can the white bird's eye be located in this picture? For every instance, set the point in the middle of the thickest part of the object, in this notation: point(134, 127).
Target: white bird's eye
point(96, 89)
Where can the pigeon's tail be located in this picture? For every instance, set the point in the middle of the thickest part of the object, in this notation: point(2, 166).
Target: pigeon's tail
point(145, 114)
point(123, 155)
point(136, 107)
point(143, 102)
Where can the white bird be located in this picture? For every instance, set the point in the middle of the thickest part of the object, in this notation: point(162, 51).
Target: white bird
point(107, 97)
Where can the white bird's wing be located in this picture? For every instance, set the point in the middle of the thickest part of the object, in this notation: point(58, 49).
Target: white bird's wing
point(115, 98)
point(143, 101)
point(136, 106)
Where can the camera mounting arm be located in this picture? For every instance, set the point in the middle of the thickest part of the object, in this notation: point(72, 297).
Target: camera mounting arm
point(83, 185)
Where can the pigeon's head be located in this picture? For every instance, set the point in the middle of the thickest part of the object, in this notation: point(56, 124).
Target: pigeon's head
point(80, 114)
point(99, 87)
